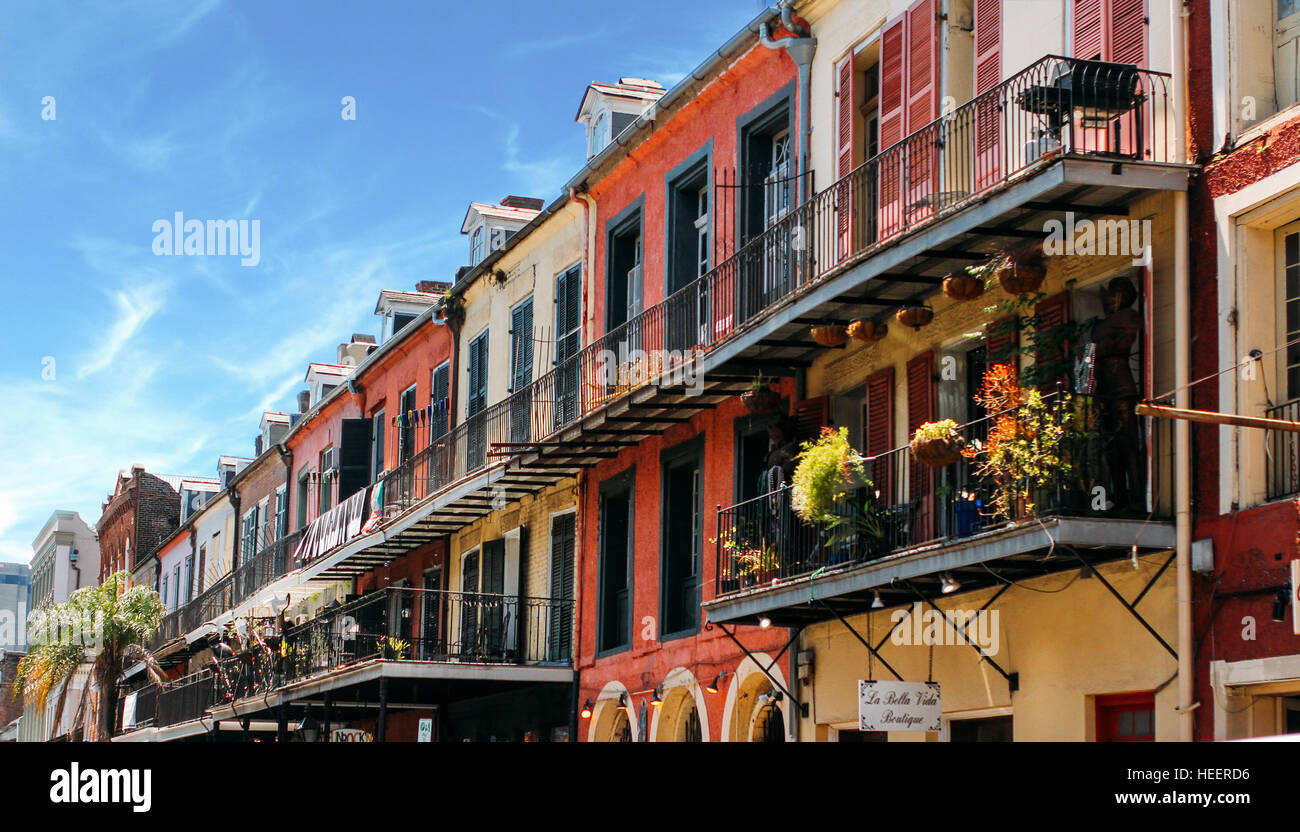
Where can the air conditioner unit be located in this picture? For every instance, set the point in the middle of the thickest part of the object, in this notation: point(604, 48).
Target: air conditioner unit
point(329, 463)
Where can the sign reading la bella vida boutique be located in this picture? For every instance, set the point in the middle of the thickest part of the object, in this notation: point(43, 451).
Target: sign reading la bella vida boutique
point(899, 706)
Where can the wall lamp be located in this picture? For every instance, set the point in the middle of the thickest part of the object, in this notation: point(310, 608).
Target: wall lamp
point(585, 713)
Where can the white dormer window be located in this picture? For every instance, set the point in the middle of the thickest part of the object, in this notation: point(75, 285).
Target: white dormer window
point(601, 136)
point(476, 251)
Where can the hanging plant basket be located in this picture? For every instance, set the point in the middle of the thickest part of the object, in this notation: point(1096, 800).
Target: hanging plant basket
point(915, 316)
point(936, 444)
point(830, 335)
point(1023, 274)
point(868, 331)
point(761, 401)
point(960, 286)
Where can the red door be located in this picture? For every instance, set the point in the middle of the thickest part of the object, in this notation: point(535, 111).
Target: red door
point(1126, 717)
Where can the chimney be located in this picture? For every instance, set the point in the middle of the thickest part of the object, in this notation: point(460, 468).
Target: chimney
point(257, 446)
point(528, 202)
point(304, 400)
point(432, 287)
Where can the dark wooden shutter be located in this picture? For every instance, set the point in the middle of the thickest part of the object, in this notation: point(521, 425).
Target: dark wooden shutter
point(521, 371)
point(561, 625)
point(441, 402)
point(476, 439)
point(1003, 341)
point(810, 416)
point(920, 409)
point(1086, 21)
point(494, 584)
point(354, 457)
point(879, 437)
point(568, 307)
point(1051, 353)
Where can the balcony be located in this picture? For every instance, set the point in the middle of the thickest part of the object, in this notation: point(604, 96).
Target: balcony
point(1063, 137)
point(409, 626)
point(909, 524)
point(1283, 453)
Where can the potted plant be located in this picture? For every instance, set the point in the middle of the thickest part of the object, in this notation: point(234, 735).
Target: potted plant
point(964, 285)
point(757, 566)
point(760, 399)
point(915, 316)
point(392, 648)
point(1022, 273)
point(1026, 449)
point(827, 469)
point(830, 335)
point(936, 444)
point(868, 331)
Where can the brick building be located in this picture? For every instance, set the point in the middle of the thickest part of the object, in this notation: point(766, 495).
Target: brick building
point(140, 513)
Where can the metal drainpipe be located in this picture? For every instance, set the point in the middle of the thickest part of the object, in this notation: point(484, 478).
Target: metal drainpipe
point(1182, 396)
point(800, 49)
point(588, 246)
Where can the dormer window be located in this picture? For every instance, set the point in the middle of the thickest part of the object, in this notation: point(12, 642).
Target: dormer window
point(600, 135)
point(476, 250)
point(607, 109)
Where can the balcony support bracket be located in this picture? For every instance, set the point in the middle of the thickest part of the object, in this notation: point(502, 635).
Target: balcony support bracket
point(776, 683)
point(1132, 607)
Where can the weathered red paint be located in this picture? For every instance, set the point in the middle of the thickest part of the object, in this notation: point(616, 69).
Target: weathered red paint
point(711, 115)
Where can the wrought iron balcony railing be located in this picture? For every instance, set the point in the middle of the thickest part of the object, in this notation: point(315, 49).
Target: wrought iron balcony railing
point(1283, 453)
point(404, 625)
point(185, 699)
point(1056, 107)
point(905, 504)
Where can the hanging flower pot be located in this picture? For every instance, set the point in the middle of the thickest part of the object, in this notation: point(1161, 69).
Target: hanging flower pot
point(936, 444)
point(761, 399)
point(830, 335)
point(1022, 274)
point(868, 331)
point(915, 316)
point(963, 286)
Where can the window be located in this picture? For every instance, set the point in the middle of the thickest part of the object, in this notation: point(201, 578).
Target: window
point(476, 249)
point(1288, 306)
point(304, 489)
point(568, 309)
point(1286, 61)
point(682, 511)
point(560, 645)
point(615, 555)
point(378, 448)
point(688, 216)
point(601, 133)
point(988, 729)
point(400, 320)
point(281, 512)
point(326, 481)
point(623, 281)
point(176, 586)
point(354, 456)
point(189, 578)
point(521, 369)
point(162, 593)
point(405, 426)
point(476, 400)
point(440, 384)
point(1126, 717)
point(248, 540)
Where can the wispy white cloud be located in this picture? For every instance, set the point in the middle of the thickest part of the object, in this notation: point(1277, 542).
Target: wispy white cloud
point(135, 306)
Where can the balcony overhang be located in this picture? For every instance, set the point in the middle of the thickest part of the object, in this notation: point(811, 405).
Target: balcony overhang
point(410, 684)
point(909, 268)
point(1028, 550)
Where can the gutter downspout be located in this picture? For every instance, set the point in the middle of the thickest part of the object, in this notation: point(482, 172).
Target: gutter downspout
point(800, 49)
point(588, 246)
point(1182, 396)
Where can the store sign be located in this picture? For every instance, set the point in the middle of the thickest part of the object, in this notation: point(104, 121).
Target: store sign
point(333, 528)
point(426, 731)
point(899, 706)
point(128, 711)
point(351, 735)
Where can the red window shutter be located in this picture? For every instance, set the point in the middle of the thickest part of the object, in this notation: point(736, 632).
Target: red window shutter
point(880, 431)
point(844, 109)
point(1126, 32)
point(920, 409)
point(1002, 341)
point(892, 118)
point(1087, 29)
point(1051, 313)
point(922, 65)
point(988, 44)
point(810, 416)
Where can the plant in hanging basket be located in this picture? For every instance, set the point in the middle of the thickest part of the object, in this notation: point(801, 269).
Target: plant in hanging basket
point(1022, 273)
point(963, 285)
point(451, 309)
point(760, 399)
point(915, 316)
point(828, 468)
point(937, 444)
point(869, 331)
point(830, 335)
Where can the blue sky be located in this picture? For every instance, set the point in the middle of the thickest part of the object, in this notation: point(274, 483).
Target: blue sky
point(229, 110)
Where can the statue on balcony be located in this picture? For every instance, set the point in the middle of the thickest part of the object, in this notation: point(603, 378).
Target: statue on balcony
point(1117, 392)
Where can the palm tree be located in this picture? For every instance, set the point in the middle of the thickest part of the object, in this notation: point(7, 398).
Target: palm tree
point(105, 626)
